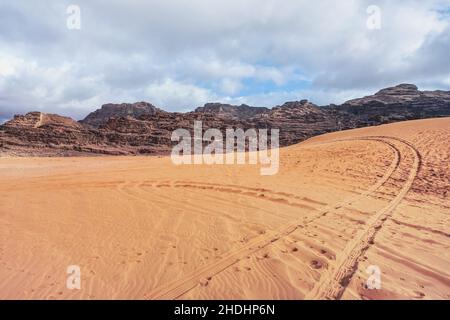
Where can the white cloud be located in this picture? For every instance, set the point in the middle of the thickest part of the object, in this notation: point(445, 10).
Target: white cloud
point(8, 66)
point(319, 97)
point(230, 86)
point(179, 54)
point(176, 95)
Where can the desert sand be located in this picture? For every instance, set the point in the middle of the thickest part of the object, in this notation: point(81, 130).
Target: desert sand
point(143, 228)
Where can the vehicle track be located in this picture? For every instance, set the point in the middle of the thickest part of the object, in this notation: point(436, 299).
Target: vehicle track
point(333, 283)
point(179, 287)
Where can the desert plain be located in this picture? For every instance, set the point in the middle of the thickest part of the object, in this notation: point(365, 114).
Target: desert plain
point(144, 228)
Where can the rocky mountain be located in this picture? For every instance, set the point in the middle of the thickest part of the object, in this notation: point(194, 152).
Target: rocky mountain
point(402, 102)
point(132, 110)
point(141, 128)
point(37, 133)
point(227, 111)
point(297, 121)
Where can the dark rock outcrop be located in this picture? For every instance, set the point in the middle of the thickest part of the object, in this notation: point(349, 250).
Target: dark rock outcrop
point(297, 121)
point(107, 111)
point(227, 111)
point(402, 102)
point(141, 128)
point(38, 133)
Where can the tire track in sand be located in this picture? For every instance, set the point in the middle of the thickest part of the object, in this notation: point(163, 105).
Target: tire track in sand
point(178, 287)
point(333, 283)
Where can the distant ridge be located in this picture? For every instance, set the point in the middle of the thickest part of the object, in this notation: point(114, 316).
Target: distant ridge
point(142, 128)
point(232, 112)
point(111, 110)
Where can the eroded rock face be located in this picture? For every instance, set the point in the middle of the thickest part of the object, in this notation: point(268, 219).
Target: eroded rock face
point(402, 102)
point(141, 128)
point(132, 110)
point(227, 111)
point(30, 120)
point(297, 121)
point(38, 133)
point(400, 91)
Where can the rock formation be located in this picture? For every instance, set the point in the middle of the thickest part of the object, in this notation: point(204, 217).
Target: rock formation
point(141, 128)
point(227, 111)
point(132, 110)
point(402, 102)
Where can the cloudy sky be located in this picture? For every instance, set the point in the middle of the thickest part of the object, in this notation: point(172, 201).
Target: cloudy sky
point(179, 54)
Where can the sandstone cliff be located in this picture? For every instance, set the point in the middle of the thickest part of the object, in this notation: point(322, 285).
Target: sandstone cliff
point(141, 128)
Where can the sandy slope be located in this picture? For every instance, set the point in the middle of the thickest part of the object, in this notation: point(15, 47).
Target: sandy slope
point(143, 228)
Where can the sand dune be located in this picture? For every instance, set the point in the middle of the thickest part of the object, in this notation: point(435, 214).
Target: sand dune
point(142, 228)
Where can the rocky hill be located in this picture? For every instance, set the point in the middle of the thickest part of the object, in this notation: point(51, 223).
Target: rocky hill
point(402, 102)
point(38, 133)
point(297, 121)
point(132, 110)
point(141, 128)
point(227, 111)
